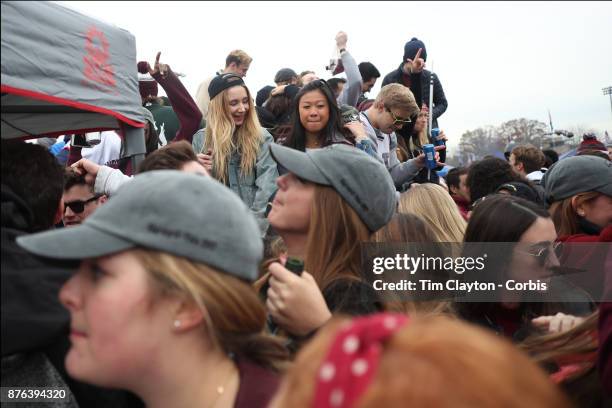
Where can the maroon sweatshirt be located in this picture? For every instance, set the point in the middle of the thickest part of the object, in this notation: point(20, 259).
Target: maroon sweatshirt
point(605, 331)
point(186, 110)
point(257, 385)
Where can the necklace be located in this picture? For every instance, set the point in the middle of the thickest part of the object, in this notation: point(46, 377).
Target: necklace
point(313, 142)
point(221, 388)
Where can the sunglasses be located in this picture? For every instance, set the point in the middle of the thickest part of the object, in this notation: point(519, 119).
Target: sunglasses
point(542, 251)
point(78, 206)
point(396, 120)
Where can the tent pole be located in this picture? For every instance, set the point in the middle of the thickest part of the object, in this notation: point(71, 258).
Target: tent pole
point(134, 145)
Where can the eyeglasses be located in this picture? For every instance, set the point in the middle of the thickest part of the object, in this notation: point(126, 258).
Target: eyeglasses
point(396, 120)
point(78, 206)
point(542, 251)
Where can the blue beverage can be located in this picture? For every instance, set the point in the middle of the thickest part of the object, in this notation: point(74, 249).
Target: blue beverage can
point(435, 132)
point(430, 156)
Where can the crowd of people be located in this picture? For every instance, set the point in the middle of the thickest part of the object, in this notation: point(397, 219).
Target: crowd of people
point(174, 284)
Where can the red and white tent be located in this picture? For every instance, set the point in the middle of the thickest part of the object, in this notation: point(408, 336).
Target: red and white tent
point(64, 72)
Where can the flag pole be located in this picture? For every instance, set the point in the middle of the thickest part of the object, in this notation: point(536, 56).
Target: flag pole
point(430, 107)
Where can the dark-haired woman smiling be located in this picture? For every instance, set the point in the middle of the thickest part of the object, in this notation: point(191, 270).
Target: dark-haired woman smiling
point(317, 122)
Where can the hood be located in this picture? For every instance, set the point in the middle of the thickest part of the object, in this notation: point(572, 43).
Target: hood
point(15, 212)
point(32, 316)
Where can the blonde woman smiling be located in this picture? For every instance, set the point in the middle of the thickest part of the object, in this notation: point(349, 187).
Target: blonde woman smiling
point(234, 147)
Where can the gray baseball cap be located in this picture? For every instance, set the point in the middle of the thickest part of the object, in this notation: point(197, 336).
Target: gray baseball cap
point(575, 175)
point(363, 182)
point(178, 213)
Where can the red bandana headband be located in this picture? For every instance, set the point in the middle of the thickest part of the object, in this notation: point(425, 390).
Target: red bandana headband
point(353, 358)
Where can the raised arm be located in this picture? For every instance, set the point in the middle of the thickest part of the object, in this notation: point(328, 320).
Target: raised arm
point(184, 106)
point(352, 89)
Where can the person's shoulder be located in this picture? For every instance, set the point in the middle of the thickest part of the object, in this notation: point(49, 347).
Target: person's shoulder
point(392, 76)
point(351, 296)
point(208, 79)
point(257, 385)
point(366, 123)
point(266, 136)
point(198, 140)
point(340, 138)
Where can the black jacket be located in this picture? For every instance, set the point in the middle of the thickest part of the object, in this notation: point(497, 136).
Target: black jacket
point(420, 88)
point(32, 316)
point(35, 326)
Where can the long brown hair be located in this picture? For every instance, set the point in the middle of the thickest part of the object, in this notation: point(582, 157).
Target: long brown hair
point(223, 137)
point(426, 356)
point(334, 238)
point(564, 215)
point(235, 317)
point(577, 344)
point(419, 139)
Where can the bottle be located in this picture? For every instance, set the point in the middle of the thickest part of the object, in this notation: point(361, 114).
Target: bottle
point(435, 132)
point(430, 156)
point(295, 265)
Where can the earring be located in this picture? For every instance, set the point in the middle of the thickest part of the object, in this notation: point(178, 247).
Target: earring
point(177, 323)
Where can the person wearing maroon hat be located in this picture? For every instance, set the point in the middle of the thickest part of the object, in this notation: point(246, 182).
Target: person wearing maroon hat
point(591, 146)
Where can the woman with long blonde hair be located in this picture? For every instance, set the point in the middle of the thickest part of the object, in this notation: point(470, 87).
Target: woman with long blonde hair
point(162, 304)
point(234, 146)
point(409, 233)
point(435, 206)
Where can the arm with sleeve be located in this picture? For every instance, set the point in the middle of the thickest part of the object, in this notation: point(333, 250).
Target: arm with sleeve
point(401, 173)
point(186, 110)
point(266, 173)
point(352, 89)
point(108, 181)
point(197, 141)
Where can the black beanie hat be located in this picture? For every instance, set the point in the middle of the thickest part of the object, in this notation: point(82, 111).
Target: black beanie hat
point(222, 82)
point(412, 47)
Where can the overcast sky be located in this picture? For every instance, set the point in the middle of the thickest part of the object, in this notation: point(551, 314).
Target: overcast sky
point(496, 61)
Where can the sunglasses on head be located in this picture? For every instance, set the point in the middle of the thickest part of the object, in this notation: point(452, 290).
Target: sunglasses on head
point(396, 120)
point(322, 83)
point(78, 206)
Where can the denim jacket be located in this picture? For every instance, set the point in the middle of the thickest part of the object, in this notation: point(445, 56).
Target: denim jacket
point(255, 189)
